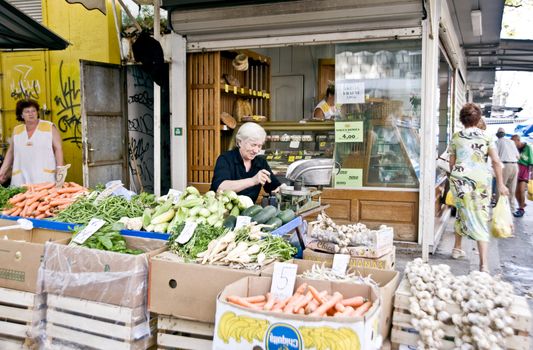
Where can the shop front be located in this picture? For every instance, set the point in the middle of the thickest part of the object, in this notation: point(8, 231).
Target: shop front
point(387, 127)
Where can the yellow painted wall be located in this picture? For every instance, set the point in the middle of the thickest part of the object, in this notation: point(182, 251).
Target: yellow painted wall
point(93, 37)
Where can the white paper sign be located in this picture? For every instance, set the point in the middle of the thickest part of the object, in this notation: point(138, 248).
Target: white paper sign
point(175, 195)
point(187, 232)
point(340, 264)
point(283, 280)
point(93, 226)
point(294, 144)
point(242, 221)
point(349, 91)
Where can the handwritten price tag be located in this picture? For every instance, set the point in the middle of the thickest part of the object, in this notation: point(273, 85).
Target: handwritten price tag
point(89, 230)
point(235, 90)
point(226, 88)
point(294, 144)
point(340, 264)
point(242, 221)
point(283, 280)
point(187, 232)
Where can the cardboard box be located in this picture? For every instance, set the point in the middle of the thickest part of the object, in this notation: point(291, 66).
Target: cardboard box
point(97, 275)
point(241, 328)
point(21, 253)
point(188, 290)
point(387, 281)
point(383, 244)
point(386, 262)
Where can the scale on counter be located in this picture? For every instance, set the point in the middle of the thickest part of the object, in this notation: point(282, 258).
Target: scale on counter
point(307, 177)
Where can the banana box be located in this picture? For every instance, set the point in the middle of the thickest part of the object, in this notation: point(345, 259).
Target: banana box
point(239, 328)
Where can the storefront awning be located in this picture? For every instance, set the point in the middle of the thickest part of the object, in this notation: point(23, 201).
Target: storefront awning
point(18, 31)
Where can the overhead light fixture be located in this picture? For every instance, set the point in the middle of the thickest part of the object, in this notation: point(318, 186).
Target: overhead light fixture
point(477, 22)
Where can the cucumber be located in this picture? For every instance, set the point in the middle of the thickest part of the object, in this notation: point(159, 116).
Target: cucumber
point(286, 215)
point(230, 222)
point(266, 214)
point(251, 211)
point(275, 222)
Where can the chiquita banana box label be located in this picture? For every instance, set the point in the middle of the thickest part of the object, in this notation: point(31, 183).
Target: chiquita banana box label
point(238, 329)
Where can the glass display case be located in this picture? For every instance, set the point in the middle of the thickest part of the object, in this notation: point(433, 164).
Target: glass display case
point(393, 156)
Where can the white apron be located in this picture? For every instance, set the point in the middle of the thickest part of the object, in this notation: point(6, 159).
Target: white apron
point(34, 160)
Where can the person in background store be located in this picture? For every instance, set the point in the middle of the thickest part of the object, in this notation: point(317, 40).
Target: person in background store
point(326, 108)
point(35, 152)
point(243, 169)
point(509, 157)
point(525, 163)
point(470, 181)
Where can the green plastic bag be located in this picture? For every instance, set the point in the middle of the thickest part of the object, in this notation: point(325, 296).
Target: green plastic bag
point(502, 219)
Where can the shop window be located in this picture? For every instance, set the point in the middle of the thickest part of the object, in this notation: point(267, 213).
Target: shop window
point(377, 131)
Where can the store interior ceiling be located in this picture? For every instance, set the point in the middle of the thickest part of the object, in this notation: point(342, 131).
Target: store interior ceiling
point(19, 31)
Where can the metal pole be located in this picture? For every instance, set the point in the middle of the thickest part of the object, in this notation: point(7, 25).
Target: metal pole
point(157, 110)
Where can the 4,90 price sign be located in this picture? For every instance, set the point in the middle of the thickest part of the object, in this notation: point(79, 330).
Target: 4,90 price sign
point(348, 131)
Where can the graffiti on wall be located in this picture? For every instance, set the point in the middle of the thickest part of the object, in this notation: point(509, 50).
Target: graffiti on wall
point(141, 127)
point(68, 103)
point(23, 87)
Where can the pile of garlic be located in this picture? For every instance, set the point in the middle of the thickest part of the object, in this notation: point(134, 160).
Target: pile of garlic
point(326, 230)
point(484, 302)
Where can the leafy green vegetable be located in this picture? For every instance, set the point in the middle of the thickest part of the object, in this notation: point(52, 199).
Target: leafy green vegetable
point(203, 234)
point(7, 192)
point(107, 238)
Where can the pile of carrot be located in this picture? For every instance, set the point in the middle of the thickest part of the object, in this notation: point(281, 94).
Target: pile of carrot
point(307, 300)
point(43, 200)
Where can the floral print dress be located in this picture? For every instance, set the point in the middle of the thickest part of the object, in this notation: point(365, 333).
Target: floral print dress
point(471, 182)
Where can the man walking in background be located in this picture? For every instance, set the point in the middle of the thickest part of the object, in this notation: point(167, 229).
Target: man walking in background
point(525, 163)
point(509, 155)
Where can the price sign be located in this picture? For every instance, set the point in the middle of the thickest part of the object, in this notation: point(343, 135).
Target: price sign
point(348, 132)
point(270, 157)
point(267, 96)
point(235, 90)
point(242, 90)
point(291, 159)
point(340, 264)
point(89, 230)
point(277, 157)
point(260, 93)
point(254, 92)
point(298, 157)
point(349, 91)
point(187, 232)
point(249, 91)
point(175, 195)
point(349, 178)
point(283, 280)
point(226, 88)
point(294, 144)
point(242, 221)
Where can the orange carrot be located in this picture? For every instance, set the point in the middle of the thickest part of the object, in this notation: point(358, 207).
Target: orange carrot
point(312, 306)
point(270, 302)
point(9, 211)
point(319, 298)
point(289, 308)
point(301, 289)
point(339, 307)
point(301, 311)
point(361, 310)
point(31, 208)
point(35, 198)
point(322, 309)
point(16, 212)
point(241, 302)
point(17, 198)
point(48, 213)
point(303, 302)
point(255, 299)
point(68, 190)
point(354, 301)
point(348, 311)
point(61, 201)
point(280, 304)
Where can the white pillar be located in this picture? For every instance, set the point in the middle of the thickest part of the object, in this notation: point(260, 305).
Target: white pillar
point(178, 109)
point(430, 64)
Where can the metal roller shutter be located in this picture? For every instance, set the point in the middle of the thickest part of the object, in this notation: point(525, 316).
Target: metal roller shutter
point(32, 8)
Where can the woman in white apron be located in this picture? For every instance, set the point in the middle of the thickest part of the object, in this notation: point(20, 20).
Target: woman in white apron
point(326, 108)
point(35, 150)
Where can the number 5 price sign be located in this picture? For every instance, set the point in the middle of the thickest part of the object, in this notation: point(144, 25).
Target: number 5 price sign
point(283, 280)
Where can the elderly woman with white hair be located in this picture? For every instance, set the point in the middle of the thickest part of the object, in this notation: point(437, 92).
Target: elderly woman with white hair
point(242, 169)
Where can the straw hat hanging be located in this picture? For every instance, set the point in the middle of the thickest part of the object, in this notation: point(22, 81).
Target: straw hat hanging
point(240, 62)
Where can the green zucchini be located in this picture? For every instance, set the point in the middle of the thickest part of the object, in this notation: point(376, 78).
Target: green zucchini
point(275, 222)
point(230, 222)
point(266, 214)
point(251, 211)
point(286, 215)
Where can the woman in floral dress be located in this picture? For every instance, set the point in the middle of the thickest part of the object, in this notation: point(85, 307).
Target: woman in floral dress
point(471, 181)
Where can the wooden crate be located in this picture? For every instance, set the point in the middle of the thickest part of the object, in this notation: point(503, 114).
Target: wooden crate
point(77, 323)
point(177, 333)
point(404, 333)
point(18, 312)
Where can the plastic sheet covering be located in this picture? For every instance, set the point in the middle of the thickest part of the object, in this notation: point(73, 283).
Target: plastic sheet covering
point(94, 298)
